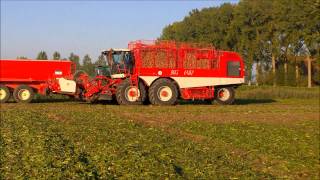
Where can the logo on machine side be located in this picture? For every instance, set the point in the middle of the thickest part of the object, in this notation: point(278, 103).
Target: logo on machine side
point(174, 72)
point(188, 72)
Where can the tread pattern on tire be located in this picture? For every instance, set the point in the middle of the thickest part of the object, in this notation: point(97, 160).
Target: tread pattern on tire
point(6, 89)
point(231, 98)
point(16, 91)
point(153, 97)
point(120, 94)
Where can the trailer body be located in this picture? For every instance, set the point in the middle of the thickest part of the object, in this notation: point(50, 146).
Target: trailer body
point(37, 76)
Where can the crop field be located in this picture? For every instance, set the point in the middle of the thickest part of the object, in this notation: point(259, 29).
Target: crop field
point(255, 138)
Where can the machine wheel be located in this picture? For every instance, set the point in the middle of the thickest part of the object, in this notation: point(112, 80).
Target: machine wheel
point(224, 95)
point(93, 99)
point(4, 94)
point(78, 74)
point(163, 92)
point(130, 95)
point(79, 94)
point(23, 94)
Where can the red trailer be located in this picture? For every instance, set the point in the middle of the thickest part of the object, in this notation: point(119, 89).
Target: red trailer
point(23, 78)
point(163, 71)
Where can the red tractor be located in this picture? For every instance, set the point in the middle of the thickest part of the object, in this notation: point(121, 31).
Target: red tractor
point(161, 72)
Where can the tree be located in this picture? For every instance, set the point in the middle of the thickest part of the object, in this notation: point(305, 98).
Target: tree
point(265, 33)
point(75, 59)
point(42, 55)
point(88, 66)
point(22, 57)
point(247, 30)
point(101, 61)
point(56, 55)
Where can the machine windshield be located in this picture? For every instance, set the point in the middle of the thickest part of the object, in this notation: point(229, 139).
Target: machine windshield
point(119, 61)
point(102, 71)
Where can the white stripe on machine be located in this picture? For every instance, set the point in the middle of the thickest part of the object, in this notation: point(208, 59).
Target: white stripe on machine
point(188, 82)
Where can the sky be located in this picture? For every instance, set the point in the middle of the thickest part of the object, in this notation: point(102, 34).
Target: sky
point(86, 27)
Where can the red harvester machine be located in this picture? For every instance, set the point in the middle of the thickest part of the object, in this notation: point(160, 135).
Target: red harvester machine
point(160, 72)
point(23, 78)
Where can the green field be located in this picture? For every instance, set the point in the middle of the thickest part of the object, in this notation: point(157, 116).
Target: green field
point(255, 138)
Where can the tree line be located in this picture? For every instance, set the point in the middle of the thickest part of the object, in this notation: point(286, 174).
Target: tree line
point(267, 33)
point(87, 64)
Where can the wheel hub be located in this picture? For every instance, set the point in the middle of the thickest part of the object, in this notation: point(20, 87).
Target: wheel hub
point(223, 94)
point(165, 93)
point(3, 94)
point(24, 94)
point(132, 94)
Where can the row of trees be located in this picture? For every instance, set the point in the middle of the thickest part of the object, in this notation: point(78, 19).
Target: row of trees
point(269, 34)
point(87, 64)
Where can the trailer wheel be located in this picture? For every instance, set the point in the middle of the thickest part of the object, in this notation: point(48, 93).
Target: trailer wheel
point(23, 94)
point(224, 95)
point(130, 95)
point(163, 92)
point(4, 94)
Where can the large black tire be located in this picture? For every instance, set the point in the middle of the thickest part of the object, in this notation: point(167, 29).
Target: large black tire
point(224, 95)
point(23, 94)
point(79, 94)
point(4, 94)
point(93, 99)
point(163, 92)
point(76, 76)
point(124, 89)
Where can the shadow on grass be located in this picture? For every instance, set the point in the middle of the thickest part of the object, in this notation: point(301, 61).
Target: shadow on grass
point(99, 102)
point(253, 101)
point(194, 102)
point(180, 102)
point(52, 100)
point(237, 102)
point(61, 100)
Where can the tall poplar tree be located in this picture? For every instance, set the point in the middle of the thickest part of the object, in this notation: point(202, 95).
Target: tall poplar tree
point(42, 55)
point(56, 55)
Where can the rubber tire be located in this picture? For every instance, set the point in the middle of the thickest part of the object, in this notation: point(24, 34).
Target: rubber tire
point(231, 98)
point(153, 97)
point(79, 94)
point(120, 93)
point(93, 99)
point(77, 74)
point(16, 91)
point(6, 89)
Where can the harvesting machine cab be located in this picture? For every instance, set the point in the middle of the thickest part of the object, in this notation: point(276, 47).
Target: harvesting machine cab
point(119, 63)
point(102, 71)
